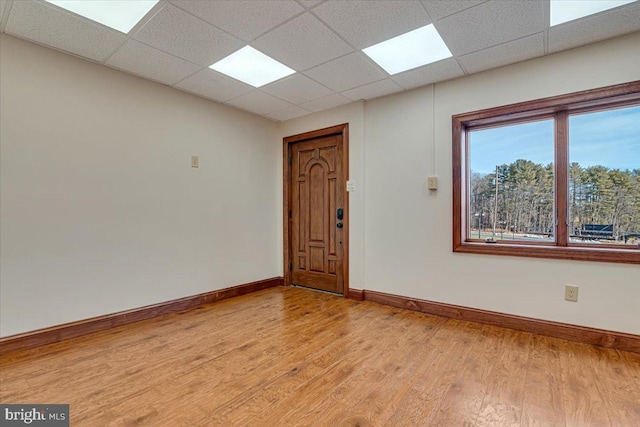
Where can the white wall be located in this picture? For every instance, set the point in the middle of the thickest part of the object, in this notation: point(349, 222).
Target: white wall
point(407, 229)
point(100, 209)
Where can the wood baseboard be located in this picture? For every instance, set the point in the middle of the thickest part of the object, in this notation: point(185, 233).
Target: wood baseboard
point(67, 331)
point(583, 334)
point(356, 294)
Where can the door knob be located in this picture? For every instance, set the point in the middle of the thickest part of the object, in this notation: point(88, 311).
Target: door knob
point(339, 225)
point(339, 213)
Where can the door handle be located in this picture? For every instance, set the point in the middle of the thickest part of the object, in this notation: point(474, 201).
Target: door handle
point(339, 213)
point(339, 225)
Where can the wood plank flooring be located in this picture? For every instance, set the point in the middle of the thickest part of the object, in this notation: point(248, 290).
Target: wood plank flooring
point(294, 357)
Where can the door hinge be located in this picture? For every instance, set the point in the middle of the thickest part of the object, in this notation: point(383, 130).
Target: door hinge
point(290, 266)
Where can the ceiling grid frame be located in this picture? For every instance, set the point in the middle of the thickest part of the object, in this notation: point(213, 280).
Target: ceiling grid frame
point(506, 42)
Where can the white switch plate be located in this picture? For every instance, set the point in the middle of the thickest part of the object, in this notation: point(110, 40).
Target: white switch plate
point(351, 185)
point(195, 162)
point(432, 182)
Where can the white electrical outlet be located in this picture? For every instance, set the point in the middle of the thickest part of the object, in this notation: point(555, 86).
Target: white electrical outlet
point(571, 293)
point(351, 185)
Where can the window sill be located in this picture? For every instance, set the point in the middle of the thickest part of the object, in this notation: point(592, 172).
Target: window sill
point(575, 253)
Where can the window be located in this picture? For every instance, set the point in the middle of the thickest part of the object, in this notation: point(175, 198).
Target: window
point(553, 178)
point(604, 177)
point(511, 194)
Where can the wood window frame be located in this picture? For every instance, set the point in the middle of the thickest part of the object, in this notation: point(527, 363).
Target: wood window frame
point(558, 107)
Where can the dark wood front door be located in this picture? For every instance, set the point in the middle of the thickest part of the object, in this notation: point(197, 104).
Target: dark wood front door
point(318, 213)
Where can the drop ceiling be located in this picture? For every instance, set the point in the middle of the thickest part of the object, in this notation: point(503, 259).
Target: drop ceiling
point(177, 41)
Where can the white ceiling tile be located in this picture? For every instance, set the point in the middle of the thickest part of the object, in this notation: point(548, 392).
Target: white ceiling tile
point(347, 72)
point(436, 72)
point(358, 21)
point(297, 89)
point(288, 113)
point(49, 25)
point(326, 103)
point(373, 90)
point(145, 61)
point(506, 53)
point(439, 9)
point(213, 85)
point(259, 103)
point(185, 36)
point(302, 43)
point(491, 23)
point(245, 19)
point(613, 23)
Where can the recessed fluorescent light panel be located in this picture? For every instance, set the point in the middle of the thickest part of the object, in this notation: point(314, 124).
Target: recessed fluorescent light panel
point(410, 50)
point(121, 15)
point(564, 11)
point(252, 67)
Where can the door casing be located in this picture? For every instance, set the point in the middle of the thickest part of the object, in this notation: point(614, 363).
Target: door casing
point(342, 129)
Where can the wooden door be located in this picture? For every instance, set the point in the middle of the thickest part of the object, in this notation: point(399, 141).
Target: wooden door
point(318, 213)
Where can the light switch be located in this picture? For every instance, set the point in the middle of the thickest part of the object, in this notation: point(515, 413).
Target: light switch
point(195, 162)
point(432, 183)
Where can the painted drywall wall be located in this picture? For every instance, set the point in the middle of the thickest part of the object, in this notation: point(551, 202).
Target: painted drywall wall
point(100, 208)
point(407, 228)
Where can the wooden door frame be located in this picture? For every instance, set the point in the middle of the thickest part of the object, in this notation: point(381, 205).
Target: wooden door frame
point(342, 129)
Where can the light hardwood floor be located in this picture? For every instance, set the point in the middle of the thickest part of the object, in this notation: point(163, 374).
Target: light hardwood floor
point(294, 357)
